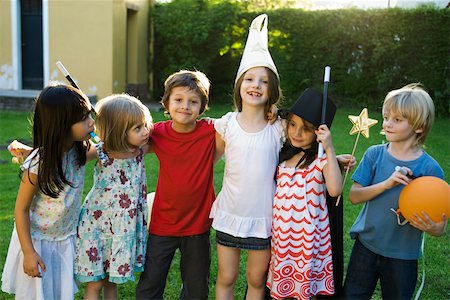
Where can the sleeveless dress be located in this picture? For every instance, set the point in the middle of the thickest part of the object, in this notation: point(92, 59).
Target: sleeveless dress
point(301, 258)
point(53, 227)
point(112, 230)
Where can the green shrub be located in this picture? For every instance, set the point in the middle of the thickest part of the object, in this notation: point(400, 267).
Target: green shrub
point(370, 52)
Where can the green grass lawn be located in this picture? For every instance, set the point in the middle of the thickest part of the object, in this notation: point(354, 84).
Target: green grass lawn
point(14, 125)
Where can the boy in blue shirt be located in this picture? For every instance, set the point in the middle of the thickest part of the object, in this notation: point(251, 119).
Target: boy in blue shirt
point(384, 249)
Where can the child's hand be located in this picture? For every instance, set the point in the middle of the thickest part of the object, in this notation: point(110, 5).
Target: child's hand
point(19, 151)
point(31, 262)
point(424, 223)
point(398, 177)
point(324, 137)
point(209, 120)
point(272, 114)
point(346, 161)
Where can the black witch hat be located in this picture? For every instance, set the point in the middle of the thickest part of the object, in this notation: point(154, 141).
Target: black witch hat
point(309, 107)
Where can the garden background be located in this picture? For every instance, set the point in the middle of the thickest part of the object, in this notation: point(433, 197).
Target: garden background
point(370, 53)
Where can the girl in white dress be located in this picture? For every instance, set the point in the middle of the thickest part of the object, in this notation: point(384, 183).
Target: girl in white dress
point(301, 259)
point(242, 211)
point(39, 264)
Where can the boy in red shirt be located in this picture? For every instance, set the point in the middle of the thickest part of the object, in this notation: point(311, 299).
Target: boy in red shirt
point(184, 192)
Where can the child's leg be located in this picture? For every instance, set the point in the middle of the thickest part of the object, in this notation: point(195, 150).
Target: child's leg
point(398, 278)
point(160, 251)
point(194, 265)
point(362, 274)
point(257, 266)
point(109, 290)
point(93, 289)
point(228, 259)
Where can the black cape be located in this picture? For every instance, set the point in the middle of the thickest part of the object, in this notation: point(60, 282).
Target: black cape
point(336, 217)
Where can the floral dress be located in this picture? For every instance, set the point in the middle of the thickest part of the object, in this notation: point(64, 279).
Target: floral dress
point(301, 259)
point(112, 230)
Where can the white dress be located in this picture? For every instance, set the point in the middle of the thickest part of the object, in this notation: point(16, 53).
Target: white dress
point(53, 224)
point(243, 207)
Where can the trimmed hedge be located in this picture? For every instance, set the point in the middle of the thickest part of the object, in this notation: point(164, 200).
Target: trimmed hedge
point(370, 52)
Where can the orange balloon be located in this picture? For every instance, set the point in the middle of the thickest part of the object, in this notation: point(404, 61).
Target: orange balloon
point(429, 194)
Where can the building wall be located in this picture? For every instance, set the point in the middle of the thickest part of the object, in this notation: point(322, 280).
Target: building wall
point(90, 39)
point(6, 63)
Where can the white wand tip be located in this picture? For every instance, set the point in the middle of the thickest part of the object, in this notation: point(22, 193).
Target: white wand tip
point(62, 68)
point(326, 77)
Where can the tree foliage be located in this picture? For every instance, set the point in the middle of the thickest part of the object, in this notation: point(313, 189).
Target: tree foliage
point(370, 52)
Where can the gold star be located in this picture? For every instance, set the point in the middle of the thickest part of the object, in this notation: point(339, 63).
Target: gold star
point(362, 123)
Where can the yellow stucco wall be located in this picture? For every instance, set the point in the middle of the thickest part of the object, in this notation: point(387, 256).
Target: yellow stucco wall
point(6, 67)
point(90, 39)
point(81, 37)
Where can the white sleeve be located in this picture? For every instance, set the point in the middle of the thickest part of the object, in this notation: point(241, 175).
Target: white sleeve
point(220, 125)
point(31, 163)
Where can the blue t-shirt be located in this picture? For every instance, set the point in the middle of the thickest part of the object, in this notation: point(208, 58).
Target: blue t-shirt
point(376, 226)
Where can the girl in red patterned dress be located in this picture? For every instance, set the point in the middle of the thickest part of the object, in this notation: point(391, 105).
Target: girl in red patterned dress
point(301, 258)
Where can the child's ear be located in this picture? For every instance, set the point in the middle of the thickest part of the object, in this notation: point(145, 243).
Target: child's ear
point(418, 130)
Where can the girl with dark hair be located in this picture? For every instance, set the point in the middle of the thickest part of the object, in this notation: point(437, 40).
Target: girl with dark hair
point(40, 259)
point(301, 264)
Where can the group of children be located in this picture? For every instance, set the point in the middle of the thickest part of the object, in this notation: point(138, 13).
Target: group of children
point(272, 202)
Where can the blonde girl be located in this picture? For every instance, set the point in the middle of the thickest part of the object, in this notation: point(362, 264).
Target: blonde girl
point(112, 228)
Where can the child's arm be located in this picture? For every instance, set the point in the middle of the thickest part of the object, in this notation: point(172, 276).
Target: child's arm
point(331, 171)
point(424, 223)
point(361, 194)
point(220, 147)
point(91, 153)
point(27, 190)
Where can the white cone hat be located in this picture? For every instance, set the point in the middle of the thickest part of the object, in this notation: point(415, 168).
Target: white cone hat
point(256, 52)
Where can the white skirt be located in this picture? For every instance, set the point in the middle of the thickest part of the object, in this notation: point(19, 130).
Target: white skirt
point(57, 282)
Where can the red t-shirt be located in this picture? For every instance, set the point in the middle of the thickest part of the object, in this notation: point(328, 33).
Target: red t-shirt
point(185, 188)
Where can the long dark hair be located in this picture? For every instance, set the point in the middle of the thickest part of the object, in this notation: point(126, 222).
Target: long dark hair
point(288, 150)
point(57, 108)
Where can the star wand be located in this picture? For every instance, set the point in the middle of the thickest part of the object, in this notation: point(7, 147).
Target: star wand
point(361, 125)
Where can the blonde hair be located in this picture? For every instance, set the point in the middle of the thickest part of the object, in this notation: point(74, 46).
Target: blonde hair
point(413, 103)
point(116, 115)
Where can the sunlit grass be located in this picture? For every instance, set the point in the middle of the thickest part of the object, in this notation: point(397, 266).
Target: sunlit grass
point(14, 126)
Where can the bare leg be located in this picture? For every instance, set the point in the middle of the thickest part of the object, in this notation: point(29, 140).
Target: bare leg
point(257, 266)
point(110, 290)
point(93, 290)
point(228, 259)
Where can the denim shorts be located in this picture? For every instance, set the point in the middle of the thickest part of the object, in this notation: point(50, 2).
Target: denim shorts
point(250, 243)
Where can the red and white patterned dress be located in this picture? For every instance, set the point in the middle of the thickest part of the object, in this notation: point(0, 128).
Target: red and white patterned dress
point(301, 262)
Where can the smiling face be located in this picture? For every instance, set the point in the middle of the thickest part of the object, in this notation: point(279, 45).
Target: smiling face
point(184, 108)
point(255, 87)
point(300, 132)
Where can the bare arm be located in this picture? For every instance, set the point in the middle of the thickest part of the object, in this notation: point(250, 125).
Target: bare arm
point(22, 217)
point(91, 153)
point(361, 194)
point(220, 147)
point(331, 171)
